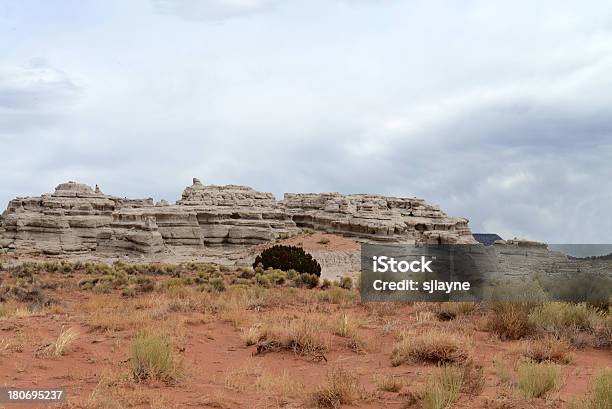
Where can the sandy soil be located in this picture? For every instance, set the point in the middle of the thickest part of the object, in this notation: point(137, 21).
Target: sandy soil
point(220, 371)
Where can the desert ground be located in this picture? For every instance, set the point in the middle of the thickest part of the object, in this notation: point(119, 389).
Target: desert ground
point(199, 335)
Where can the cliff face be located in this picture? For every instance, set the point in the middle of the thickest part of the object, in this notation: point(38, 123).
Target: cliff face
point(67, 220)
point(76, 218)
point(377, 218)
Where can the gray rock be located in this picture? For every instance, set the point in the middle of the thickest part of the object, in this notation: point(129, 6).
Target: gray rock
point(76, 218)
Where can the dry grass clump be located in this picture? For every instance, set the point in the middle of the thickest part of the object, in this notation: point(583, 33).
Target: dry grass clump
point(304, 335)
point(152, 357)
point(450, 310)
point(62, 343)
point(535, 379)
point(337, 295)
point(443, 388)
point(115, 390)
point(432, 346)
point(509, 321)
point(346, 327)
point(601, 395)
point(473, 377)
point(579, 323)
point(381, 309)
point(390, 326)
point(341, 389)
point(388, 383)
point(5, 346)
point(252, 335)
point(14, 309)
point(283, 384)
point(503, 370)
point(548, 348)
point(241, 377)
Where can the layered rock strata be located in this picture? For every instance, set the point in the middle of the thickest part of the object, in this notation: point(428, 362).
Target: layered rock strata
point(68, 220)
point(377, 218)
point(76, 218)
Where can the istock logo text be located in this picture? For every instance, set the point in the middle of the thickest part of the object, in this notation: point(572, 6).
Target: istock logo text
point(384, 264)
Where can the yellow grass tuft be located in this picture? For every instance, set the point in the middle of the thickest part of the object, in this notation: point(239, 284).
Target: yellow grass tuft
point(152, 357)
point(431, 346)
point(341, 389)
point(601, 395)
point(535, 380)
point(388, 383)
point(62, 344)
point(443, 388)
point(548, 348)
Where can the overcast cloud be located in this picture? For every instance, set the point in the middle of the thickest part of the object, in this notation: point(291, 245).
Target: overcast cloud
point(500, 112)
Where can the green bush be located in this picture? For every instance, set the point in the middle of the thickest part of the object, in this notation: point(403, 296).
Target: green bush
point(286, 258)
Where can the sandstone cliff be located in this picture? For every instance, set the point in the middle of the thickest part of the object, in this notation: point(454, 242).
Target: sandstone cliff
point(377, 218)
point(76, 218)
point(67, 220)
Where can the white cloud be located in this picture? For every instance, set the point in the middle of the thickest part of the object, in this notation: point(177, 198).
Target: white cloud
point(504, 121)
point(211, 9)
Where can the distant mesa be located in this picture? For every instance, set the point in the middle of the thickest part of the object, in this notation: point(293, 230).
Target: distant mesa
point(488, 239)
point(76, 218)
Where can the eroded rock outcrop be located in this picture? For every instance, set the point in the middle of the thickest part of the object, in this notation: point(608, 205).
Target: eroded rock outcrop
point(377, 218)
point(77, 218)
point(67, 220)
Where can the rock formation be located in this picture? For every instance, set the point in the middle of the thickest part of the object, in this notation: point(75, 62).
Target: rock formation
point(76, 218)
point(67, 220)
point(377, 218)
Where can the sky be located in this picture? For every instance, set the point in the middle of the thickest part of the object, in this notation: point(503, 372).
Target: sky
point(500, 112)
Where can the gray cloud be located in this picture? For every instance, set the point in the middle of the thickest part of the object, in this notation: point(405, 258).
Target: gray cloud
point(32, 96)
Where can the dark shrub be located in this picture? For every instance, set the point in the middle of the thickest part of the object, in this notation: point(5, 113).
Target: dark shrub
point(286, 258)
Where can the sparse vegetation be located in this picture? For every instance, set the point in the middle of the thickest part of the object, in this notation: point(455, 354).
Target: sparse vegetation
point(388, 383)
point(346, 282)
point(548, 349)
point(581, 324)
point(301, 335)
point(451, 310)
point(601, 395)
point(502, 370)
point(443, 388)
point(128, 311)
point(62, 344)
point(341, 388)
point(430, 346)
point(152, 357)
point(535, 380)
point(509, 321)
